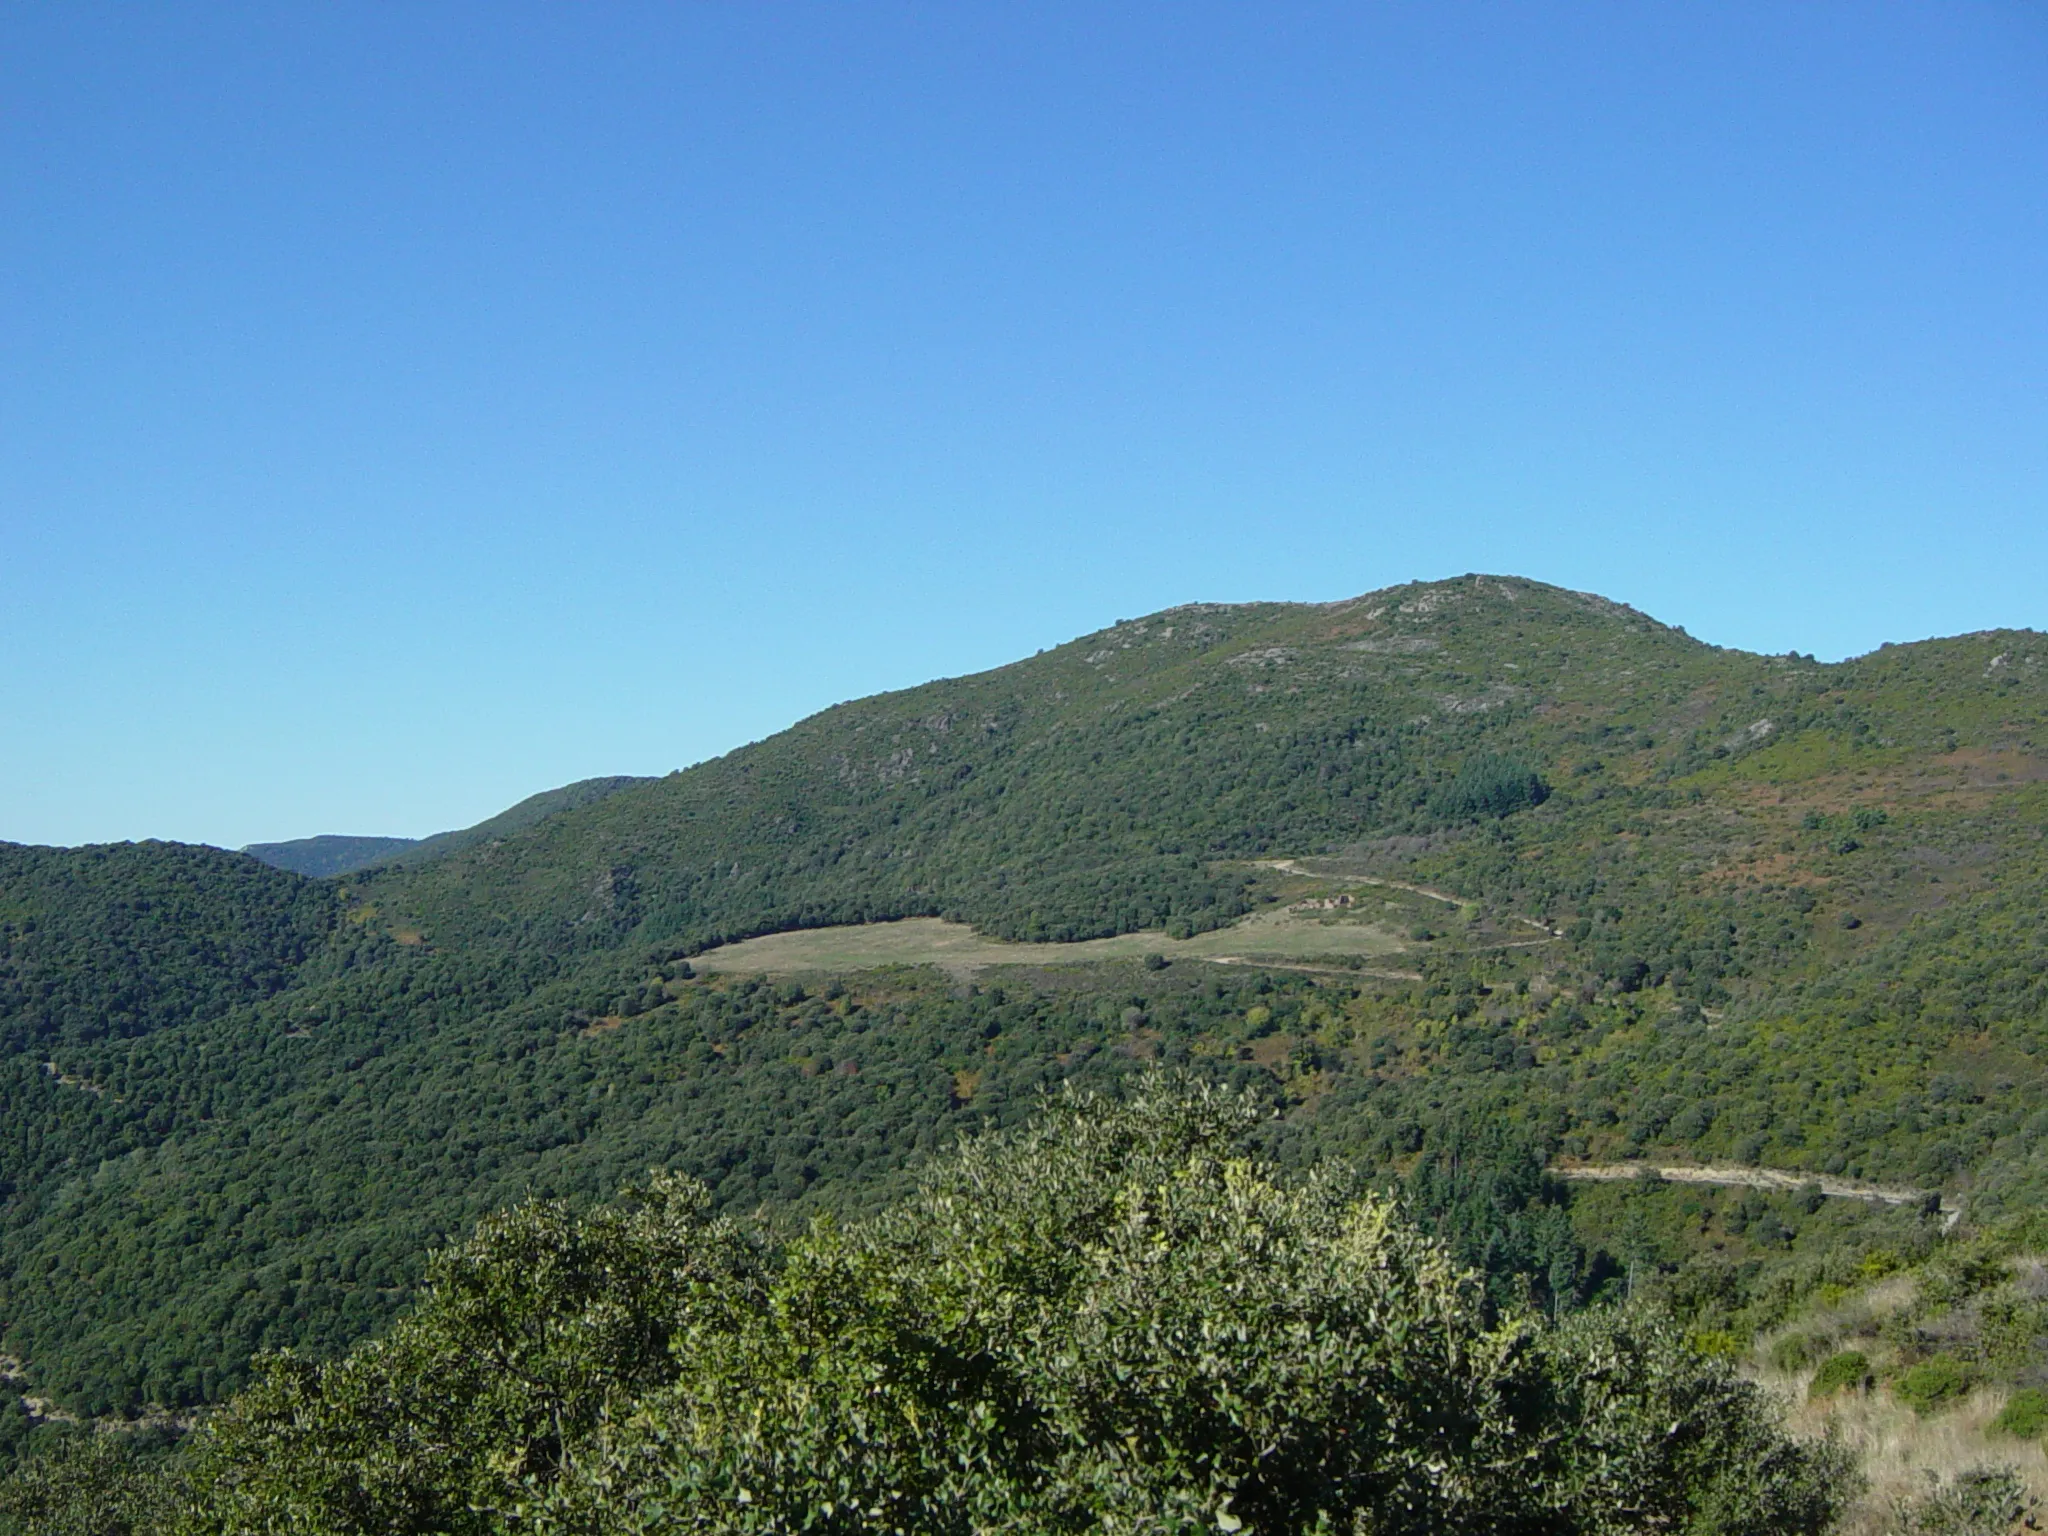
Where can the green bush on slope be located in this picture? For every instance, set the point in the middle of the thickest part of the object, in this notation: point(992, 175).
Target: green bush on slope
point(1932, 1384)
point(1978, 1501)
point(2025, 1415)
point(1846, 1370)
point(1111, 1320)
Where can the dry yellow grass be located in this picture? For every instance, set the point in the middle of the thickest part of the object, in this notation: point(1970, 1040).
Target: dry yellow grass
point(1289, 935)
point(1898, 1448)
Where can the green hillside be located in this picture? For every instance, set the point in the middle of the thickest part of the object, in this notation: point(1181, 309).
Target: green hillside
point(328, 855)
point(114, 942)
point(1092, 789)
point(529, 812)
point(1706, 904)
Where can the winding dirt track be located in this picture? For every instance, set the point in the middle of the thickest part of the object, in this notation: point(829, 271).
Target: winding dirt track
point(1763, 1178)
point(1293, 867)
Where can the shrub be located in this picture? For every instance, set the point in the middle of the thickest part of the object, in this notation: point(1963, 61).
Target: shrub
point(1110, 1320)
point(530, 1333)
point(1932, 1384)
point(1846, 1371)
point(2025, 1233)
point(1983, 1501)
point(2025, 1415)
point(1796, 1351)
point(1962, 1273)
point(2007, 1328)
point(90, 1485)
point(1660, 1438)
point(1714, 1341)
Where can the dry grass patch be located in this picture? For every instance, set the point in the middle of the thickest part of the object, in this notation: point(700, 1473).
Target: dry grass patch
point(1898, 1448)
point(1282, 936)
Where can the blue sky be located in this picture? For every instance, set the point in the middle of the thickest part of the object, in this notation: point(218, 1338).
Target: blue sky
point(406, 408)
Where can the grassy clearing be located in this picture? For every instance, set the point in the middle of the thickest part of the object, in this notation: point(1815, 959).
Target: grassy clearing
point(1290, 935)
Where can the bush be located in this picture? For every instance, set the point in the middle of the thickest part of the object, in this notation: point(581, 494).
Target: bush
point(1796, 1351)
point(1661, 1438)
point(530, 1333)
point(2025, 1415)
point(1714, 1341)
point(1846, 1371)
point(2007, 1327)
point(1962, 1273)
point(90, 1485)
point(1983, 1501)
point(1110, 1320)
point(1932, 1384)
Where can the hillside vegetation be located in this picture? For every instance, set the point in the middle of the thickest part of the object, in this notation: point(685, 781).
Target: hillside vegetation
point(1112, 1321)
point(1701, 905)
point(1094, 789)
point(331, 855)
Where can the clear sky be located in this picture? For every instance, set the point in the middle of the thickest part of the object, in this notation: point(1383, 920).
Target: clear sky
point(404, 408)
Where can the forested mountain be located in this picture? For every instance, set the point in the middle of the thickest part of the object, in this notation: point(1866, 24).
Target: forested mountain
point(1705, 904)
point(1092, 789)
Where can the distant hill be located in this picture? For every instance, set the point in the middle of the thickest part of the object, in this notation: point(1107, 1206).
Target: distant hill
point(329, 855)
point(1704, 905)
point(110, 942)
point(527, 813)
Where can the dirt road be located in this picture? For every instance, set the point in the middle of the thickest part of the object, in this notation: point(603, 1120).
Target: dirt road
point(1764, 1178)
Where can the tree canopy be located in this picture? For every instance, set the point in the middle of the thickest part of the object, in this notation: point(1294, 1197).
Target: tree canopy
point(1113, 1319)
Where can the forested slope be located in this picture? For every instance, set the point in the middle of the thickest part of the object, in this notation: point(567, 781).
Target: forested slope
point(328, 854)
point(1790, 907)
point(119, 941)
point(1091, 790)
point(332, 855)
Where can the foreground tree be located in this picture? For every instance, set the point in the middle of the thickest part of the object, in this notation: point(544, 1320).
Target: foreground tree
point(92, 1485)
point(1112, 1321)
point(531, 1335)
